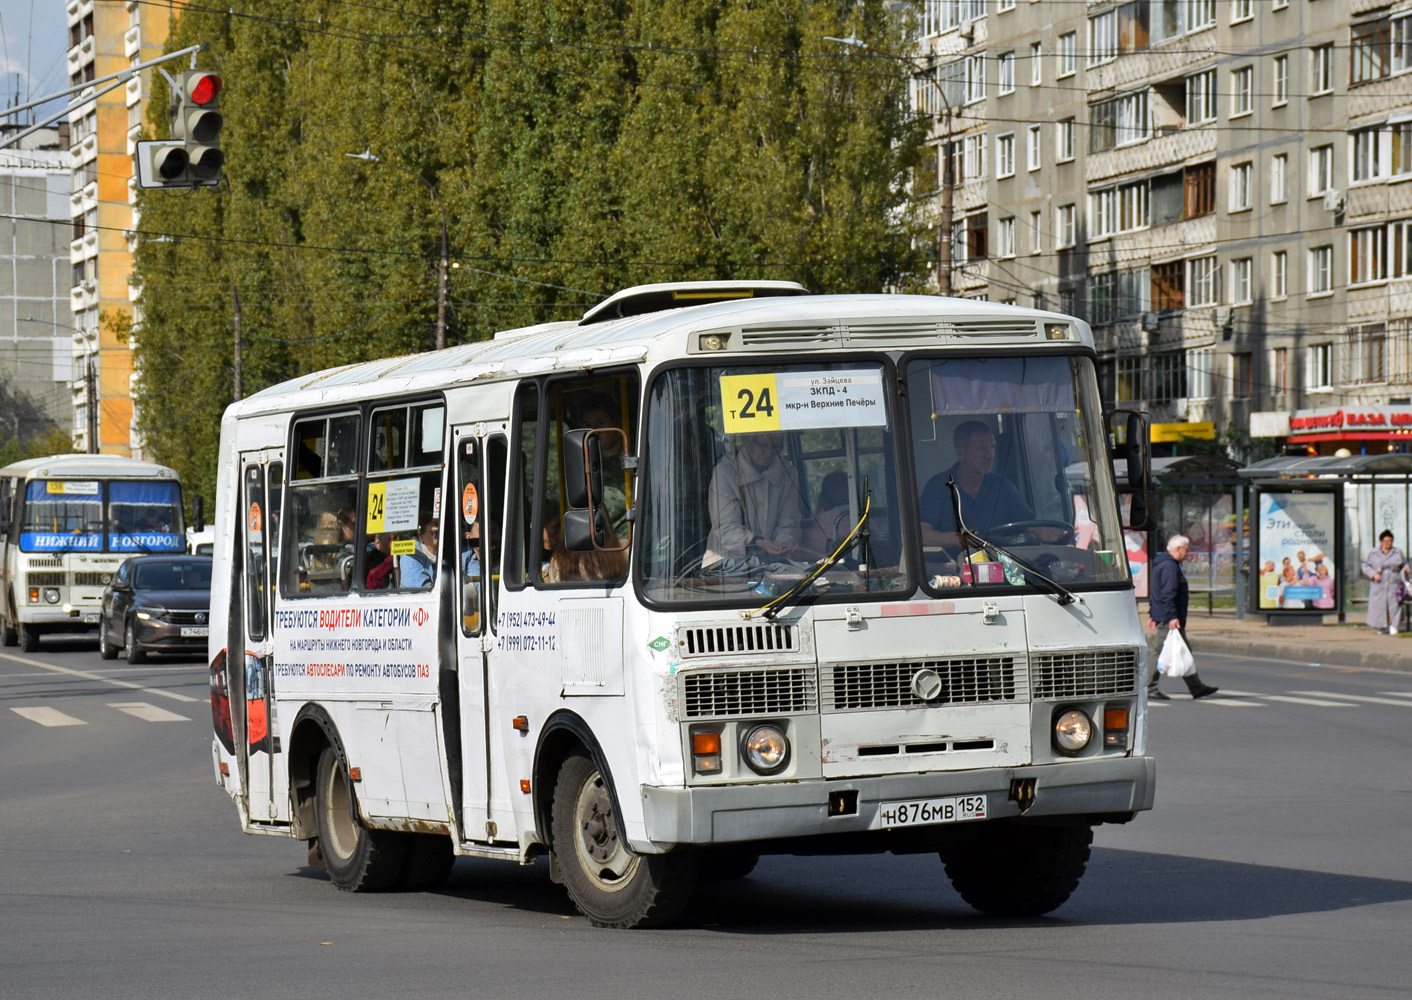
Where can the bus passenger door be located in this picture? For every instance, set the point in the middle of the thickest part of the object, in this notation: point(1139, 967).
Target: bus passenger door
point(262, 476)
point(481, 462)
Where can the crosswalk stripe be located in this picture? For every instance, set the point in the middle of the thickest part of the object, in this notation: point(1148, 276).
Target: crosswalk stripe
point(146, 712)
point(1398, 694)
point(48, 717)
point(1316, 702)
point(1357, 697)
point(1233, 702)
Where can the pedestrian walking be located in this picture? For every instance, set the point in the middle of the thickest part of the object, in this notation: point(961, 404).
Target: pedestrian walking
point(1167, 597)
point(1385, 566)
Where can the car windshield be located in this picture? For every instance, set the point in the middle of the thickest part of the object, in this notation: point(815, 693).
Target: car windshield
point(1021, 439)
point(786, 459)
point(173, 576)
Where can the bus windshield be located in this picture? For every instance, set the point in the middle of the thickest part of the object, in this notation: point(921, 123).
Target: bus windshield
point(787, 458)
point(67, 515)
point(1020, 438)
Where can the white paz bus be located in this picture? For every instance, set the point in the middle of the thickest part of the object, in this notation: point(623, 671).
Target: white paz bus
point(719, 570)
point(66, 523)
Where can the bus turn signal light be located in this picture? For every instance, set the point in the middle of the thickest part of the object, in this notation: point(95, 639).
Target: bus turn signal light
point(1115, 726)
point(706, 752)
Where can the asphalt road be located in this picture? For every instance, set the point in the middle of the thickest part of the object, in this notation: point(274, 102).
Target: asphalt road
point(1275, 865)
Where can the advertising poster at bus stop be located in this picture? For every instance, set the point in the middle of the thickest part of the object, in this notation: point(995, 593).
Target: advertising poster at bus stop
point(1297, 551)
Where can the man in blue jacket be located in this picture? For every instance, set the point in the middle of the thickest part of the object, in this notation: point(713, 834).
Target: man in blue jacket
point(1167, 596)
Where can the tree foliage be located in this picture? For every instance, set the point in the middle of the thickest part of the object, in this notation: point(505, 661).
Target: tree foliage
point(569, 148)
point(26, 429)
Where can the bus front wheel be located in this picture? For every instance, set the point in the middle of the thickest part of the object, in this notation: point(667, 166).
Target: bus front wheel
point(1018, 870)
point(28, 637)
point(11, 634)
point(609, 883)
point(357, 859)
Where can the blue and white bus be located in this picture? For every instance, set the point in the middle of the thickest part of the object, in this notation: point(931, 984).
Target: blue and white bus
point(66, 523)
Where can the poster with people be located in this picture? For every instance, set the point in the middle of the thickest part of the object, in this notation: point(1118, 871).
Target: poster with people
point(1297, 564)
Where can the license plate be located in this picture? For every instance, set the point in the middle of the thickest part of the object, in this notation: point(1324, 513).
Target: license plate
point(90, 618)
point(195, 631)
point(923, 812)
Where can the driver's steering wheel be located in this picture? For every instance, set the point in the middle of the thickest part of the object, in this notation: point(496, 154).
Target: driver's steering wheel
point(1022, 532)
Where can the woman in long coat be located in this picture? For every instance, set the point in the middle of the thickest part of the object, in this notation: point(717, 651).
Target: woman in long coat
point(1385, 565)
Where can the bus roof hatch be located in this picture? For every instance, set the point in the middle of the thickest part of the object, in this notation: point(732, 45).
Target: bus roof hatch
point(674, 295)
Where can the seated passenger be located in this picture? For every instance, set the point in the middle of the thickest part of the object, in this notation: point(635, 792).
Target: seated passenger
point(753, 503)
point(418, 567)
point(379, 562)
point(831, 521)
point(987, 500)
point(564, 566)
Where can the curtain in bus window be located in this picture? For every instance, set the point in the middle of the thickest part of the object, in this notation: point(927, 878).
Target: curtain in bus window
point(1002, 385)
point(62, 516)
point(144, 517)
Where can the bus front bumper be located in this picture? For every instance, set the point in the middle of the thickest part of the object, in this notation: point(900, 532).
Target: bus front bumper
point(724, 814)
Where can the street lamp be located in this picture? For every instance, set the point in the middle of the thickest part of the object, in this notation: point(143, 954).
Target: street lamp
point(943, 264)
point(368, 156)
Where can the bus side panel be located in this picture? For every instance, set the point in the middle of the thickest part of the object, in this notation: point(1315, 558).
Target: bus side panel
point(227, 677)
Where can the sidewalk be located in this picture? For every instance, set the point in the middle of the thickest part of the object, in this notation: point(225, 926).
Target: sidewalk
point(1352, 644)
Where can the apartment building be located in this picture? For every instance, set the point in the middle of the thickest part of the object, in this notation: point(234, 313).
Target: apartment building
point(1220, 187)
point(105, 37)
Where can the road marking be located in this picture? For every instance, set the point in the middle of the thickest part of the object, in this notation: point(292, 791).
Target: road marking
point(87, 676)
point(48, 717)
point(1316, 702)
point(1233, 702)
point(1357, 697)
point(1233, 693)
point(1398, 694)
point(146, 712)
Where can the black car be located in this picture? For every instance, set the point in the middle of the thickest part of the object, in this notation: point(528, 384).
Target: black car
point(156, 604)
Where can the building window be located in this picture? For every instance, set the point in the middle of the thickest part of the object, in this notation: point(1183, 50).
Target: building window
point(1102, 297)
point(1168, 19)
point(1068, 54)
point(1367, 255)
point(1065, 140)
point(1241, 185)
point(1242, 376)
point(1321, 271)
point(1401, 250)
point(1036, 236)
point(1064, 226)
point(1242, 88)
point(1006, 67)
point(1241, 10)
point(1128, 373)
point(1169, 286)
point(1132, 206)
point(1006, 5)
point(1134, 292)
point(1203, 281)
point(1369, 163)
point(1032, 151)
point(1200, 190)
point(1400, 141)
point(1322, 60)
point(1005, 237)
point(1241, 294)
point(1364, 355)
point(1281, 81)
point(1100, 213)
point(1036, 65)
point(1103, 38)
point(1166, 378)
point(1201, 97)
point(1318, 367)
point(1401, 45)
point(1118, 122)
point(974, 165)
point(1370, 56)
point(1279, 174)
point(975, 79)
point(1279, 370)
point(1199, 362)
point(978, 237)
point(1201, 15)
point(1321, 169)
point(1279, 274)
point(1005, 155)
point(1279, 4)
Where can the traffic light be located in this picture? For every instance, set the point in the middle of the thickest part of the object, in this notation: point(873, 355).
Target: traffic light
point(192, 157)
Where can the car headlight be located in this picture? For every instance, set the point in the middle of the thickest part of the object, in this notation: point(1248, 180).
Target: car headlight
point(51, 594)
point(146, 615)
point(765, 748)
point(1072, 731)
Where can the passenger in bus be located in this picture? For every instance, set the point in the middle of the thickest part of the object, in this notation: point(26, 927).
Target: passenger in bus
point(379, 562)
point(418, 567)
point(599, 413)
point(987, 500)
point(563, 566)
point(754, 506)
point(830, 521)
point(152, 522)
point(470, 551)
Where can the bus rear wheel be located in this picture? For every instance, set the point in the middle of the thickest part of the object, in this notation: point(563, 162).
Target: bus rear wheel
point(11, 636)
point(611, 885)
point(357, 859)
point(1016, 870)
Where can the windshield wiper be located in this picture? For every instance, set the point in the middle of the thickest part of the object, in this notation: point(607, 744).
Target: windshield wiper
point(129, 536)
point(780, 603)
point(1062, 594)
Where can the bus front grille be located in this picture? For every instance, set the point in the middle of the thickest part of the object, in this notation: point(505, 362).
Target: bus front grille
point(972, 680)
point(719, 640)
point(44, 579)
point(1084, 673)
point(718, 694)
point(91, 579)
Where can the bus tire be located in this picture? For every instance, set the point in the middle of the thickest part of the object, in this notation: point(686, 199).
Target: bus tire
point(11, 636)
point(105, 648)
point(1019, 870)
point(29, 638)
point(357, 859)
point(609, 883)
point(135, 653)
point(428, 862)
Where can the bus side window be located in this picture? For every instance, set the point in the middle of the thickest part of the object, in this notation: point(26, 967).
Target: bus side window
point(323, 506)
point(401, 501)
point(469, 534)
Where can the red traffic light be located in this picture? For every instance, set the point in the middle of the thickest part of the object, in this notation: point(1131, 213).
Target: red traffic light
point(202, 88)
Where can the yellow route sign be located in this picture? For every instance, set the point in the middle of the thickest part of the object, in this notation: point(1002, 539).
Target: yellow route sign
point(751, 403)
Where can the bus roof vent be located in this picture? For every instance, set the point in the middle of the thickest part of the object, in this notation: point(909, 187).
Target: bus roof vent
point(789, 337)
point(993, 327)
point(674, 295)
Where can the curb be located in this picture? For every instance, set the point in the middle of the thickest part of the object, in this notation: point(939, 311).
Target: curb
point(1326, 656)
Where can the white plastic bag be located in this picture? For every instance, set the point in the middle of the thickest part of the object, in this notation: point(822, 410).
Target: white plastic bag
point(1175, 659)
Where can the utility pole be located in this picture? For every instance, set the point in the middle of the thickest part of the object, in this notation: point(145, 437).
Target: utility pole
point(238, 387)
point(91, 395)
point(441, 284)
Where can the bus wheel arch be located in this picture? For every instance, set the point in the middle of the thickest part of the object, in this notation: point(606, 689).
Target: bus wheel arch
point(312, 731)
point(564, 735)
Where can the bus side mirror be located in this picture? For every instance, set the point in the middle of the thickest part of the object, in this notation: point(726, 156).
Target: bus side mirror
point(585, 530)
point(583, 470)
point(198, 512)
point(1135, 450)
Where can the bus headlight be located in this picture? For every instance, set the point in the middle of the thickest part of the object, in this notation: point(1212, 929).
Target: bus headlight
point(1072, 731)
point(765, 748)
point(51, 594)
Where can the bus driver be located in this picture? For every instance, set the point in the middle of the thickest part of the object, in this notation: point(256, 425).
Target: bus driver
point(753, 503)
point(987, 500)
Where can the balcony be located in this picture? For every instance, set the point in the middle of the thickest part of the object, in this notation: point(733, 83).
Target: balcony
point(80, 55)
point(1176, 147)
point(132, 41)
